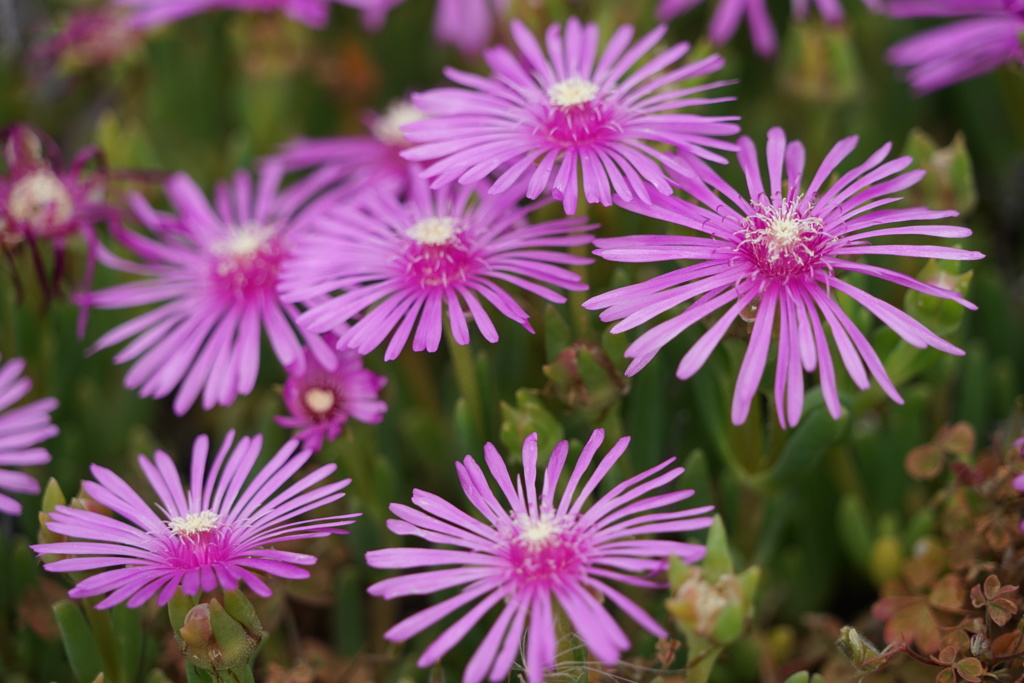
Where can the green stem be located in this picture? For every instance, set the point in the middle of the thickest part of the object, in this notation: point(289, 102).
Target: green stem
point(701, 662)
point(468, 381)
point(103, 632)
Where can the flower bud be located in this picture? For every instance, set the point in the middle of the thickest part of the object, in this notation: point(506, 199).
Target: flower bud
point(857, 648)
point(211, 637)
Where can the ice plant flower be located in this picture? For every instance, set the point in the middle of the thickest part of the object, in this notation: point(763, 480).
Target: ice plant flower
point(213, 273)
point(22, 429)
point(535, 552)
point(321, 401)
point(774, 255)
point(219, 532)
point(569, 114)
point(42, 202)
point(397, 261)
point(986, 37)
point(92, 37)
point(468, 24)
point(313, 13)
point(374, 157)
point(729, 13)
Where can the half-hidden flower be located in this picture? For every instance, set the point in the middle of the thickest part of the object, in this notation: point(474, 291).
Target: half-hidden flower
point(773, 257)
point(313, 13)
point(219, 532)
point(374, 157)
point(572, 113)
point(321, 401)
point(212, 272)
point(22, 429)
point(986, 37)
point(91, 37)
point(728, 15)
point(42, 202)
point(468, 24)
point(535, 553)
point(399, 263)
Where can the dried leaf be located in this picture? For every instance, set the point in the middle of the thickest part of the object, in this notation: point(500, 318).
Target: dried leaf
point(1006, 644)
point(911, 621)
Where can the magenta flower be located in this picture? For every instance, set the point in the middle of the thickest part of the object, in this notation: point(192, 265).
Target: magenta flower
point(313, 13)
point(551, 118)
point(42, 202)
point(534, 552)
point(21, 430)
point(92, 37)
point(986, 38)
point(374, 158)
point(213, 274)
point(775, 256)
point(468, 24)
point(396, 262)
point(728, 15)
point(218, 533)
point(321, 401)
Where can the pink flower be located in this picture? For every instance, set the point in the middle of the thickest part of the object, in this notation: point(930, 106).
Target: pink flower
point(986, 38)
point(551, 117)
point(775, 257)
point(729, 13)
point(313, 13)
point(217, 533)
point(321, 401)
point(468, 24)
point(534, 553)
point(21, 430)
point(373, 157)
point(400, 263)
point(212, 273)
point(42, 202)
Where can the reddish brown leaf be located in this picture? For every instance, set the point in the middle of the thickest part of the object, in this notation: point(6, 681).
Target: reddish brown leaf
point(924, 462)
point(948, 594)
point(1001, 610)
point(1006, 644)
point(970, 669)
point(958, 439)
point(946, 676)
point(915, 623)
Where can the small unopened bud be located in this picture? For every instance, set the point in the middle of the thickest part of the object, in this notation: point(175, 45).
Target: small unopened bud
point(213, 639)
point(857, 648)
point(980, 646)
point(714, 611)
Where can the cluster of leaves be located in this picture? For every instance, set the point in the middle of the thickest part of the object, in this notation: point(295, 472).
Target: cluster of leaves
point(954, 602)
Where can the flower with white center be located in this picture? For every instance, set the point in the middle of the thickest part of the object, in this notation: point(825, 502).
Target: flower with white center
point(534, 552)
point(773, 258)
point(217, 532)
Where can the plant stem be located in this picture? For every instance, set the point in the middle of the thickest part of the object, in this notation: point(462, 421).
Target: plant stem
point(468, 381)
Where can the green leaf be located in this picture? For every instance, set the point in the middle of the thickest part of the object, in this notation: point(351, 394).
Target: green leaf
point(718, 560)
point(854, 524)
point(557, 335)
point(79, 643)
point(805, 447)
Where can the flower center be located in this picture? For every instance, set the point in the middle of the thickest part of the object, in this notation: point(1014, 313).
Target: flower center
point(437, 253)
point(388, 126)
point(572, 92)
point(194, 524)
point(41, 202)
point(575, 115)
point(319, 400)
point(782, 241)
point(248, 260)
point(543, 549)
point(434, 231)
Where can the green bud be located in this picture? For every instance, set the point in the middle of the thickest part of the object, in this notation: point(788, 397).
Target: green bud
point(886, 559)
point(949, 183)
point(819, 64)
point(584, 378)
point(941, 315)
point(53, 496)
point(857, 648)
point(213, 640)
point(716, 610)
point(527, 416)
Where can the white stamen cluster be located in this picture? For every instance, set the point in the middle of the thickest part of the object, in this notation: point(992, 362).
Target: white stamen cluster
point(40, 195)
point(572, 92)
point(434, 231)
point(388, 126)
point(782, 232)
point(319, 400)
point(194, 523)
